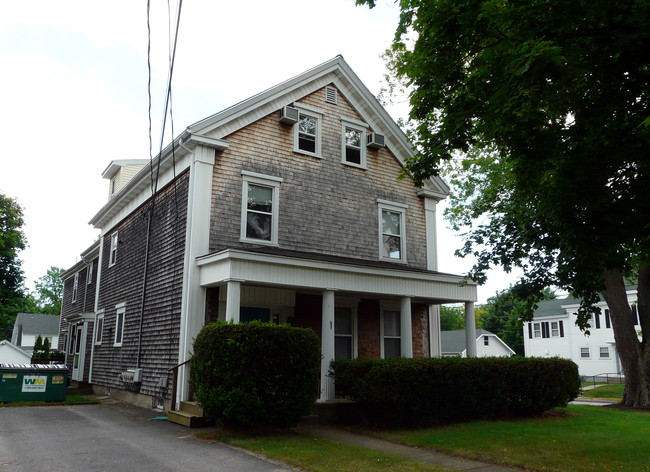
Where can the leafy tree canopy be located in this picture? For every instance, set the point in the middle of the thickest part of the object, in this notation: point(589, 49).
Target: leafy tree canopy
point(49, 290)
point(547, 103)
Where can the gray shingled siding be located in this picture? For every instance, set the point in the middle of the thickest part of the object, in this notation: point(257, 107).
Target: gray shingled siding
point(325, 206)
point(122, 283)
point(85, 302)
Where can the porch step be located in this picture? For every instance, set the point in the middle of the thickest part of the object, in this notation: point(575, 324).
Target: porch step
point(190, 415)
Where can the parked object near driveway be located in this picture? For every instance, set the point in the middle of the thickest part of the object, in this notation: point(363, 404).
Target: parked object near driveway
point(33, 382)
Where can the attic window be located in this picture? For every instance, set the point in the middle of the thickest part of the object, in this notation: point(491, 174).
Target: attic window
point(330, 95)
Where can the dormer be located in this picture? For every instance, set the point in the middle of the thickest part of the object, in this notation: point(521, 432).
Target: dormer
point(120, 172)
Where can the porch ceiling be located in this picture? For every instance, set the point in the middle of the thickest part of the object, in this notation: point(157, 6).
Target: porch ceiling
point(305, 273)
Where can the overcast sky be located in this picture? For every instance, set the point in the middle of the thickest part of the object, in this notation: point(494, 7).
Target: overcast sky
point(73, 94)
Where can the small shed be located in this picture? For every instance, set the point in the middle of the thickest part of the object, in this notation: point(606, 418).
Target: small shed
point(487, 344)
point(12, 354)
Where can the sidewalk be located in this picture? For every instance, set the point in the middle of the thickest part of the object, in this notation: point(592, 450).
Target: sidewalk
point(408, 452)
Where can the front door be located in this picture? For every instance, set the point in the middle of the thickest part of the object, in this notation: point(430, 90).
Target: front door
point(78, 352)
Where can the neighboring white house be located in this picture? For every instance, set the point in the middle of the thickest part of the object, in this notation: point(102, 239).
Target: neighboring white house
point(29, 326)
point(12, 354)
point(487, 344)
point(553, 333)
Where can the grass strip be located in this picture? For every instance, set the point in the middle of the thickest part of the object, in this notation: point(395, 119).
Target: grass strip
point(317, 454)
point(611, 392)
point(69, 400)
point(577, 439)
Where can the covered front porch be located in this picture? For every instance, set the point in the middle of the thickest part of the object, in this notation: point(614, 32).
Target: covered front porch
point(358, 308)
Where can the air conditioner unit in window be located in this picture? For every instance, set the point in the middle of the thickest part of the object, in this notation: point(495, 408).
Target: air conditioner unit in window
point(288, 115)
point(375, 141)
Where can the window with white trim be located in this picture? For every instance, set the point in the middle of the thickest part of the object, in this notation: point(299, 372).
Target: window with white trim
point(555, 329)
point(75, 287)
point(112, 256)
point(99, 328)
point(307, 132)
point(89, 274)
point(392, 233)
point(260, 208)
point(486, 340)
point(391, 333)
point(119, 324)
point(537, 330)
point(354, 143)
point(604, 352)
point(345, 331)
point(584, 353)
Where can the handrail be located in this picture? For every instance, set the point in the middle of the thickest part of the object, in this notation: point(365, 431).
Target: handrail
point(175, 381)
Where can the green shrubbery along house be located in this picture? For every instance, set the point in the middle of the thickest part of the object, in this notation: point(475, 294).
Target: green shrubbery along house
point(287, 208)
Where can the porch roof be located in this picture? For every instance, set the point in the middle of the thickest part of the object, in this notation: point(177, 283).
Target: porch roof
point(315, 272)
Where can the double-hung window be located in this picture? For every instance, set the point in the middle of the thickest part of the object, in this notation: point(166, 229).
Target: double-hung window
point(537, 330)
point(391, 334)
point(555, 329)
point(112, 257)
point(260, 195)
point(486, 340)
point(89, 274)
point(119, 324)
point(345, 331)
point(604, 352)
point(354, 140)
point(75, 287)
point(584, 353)
point(392, 231)
point(307, 131)
point(99, 328)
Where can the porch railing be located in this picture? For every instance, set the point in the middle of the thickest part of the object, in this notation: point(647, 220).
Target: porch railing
point(174, 370)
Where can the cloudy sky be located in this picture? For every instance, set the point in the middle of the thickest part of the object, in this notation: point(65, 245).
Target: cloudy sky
point(73, 93)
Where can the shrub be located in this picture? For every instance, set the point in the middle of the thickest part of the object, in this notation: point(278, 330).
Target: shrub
point(421, 391)
point(256, 374)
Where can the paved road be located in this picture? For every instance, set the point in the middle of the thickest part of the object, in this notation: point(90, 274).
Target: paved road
point(109, 437)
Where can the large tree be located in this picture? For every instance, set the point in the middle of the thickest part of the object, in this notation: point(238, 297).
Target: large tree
point(12, 241)
point(49, 290)
point(549, 102)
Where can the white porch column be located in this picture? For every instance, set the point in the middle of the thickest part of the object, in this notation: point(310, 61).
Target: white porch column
point(233, 301)
point(327, 346)
point(197, 239)
point(405, 327)
point(434, 331)
point(470, 329)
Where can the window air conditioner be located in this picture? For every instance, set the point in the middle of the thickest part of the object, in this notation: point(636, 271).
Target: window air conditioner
point(288, 115)
point(375, 141)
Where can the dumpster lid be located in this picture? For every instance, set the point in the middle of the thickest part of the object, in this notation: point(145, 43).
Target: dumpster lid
point(33, 367)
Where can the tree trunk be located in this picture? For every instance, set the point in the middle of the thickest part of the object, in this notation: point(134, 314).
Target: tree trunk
point(634, 355)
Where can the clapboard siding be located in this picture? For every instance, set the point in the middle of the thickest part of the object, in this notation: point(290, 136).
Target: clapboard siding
point(325, 206)
point(122, 283)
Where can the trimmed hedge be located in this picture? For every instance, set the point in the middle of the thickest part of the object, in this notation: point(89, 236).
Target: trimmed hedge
point(256, 374)
point(424, 391)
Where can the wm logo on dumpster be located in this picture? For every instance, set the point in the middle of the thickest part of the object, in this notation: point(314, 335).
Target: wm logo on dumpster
point(34, 383)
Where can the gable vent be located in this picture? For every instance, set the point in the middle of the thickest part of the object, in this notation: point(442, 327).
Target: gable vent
point(330, 95)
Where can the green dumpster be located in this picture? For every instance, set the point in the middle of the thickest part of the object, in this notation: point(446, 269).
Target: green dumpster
point(33, 382)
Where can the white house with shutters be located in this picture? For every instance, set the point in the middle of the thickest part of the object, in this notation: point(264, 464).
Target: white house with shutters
point(553, 333)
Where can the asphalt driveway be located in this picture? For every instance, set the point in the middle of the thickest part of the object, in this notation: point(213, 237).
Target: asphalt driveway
point(110, 437)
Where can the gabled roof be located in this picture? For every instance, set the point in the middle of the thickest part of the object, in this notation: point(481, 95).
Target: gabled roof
point(12, 346)
point(335, 71)
point(38, 324)
point(211, 130)
point(559, 306)
point(454, 341)
point(89, 254)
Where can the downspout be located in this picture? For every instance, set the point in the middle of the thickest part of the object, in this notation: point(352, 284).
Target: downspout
point(96, 307)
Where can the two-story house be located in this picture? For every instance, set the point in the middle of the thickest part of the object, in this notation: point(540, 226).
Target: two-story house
point(286, 207)
point(553, 332)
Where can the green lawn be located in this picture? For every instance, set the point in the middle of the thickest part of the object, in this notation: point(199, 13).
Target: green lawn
point(581, 438)
point(612, 392)
point(69, 400)
point(575, 439)
point(319, 455)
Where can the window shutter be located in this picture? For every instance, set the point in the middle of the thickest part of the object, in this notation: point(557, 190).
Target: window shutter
point(597, 316)
point(561, 329)
point(608, 322)
point(545, 329)
point(634, 315)
point(530, 330)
